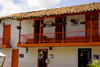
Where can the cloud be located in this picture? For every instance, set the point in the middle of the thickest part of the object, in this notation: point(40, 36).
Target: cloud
point(10, 7)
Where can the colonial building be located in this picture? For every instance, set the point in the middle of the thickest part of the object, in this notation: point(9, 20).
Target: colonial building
point(58, 37)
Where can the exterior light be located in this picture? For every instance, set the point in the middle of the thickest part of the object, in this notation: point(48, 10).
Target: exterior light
point(3, 24)
point(50, 48)
point(0, 20)
point(26, 49)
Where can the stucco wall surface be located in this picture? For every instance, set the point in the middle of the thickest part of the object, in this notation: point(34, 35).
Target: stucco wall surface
point(79, 27)
point(49, 29)
point(8, 53)
point(63, 56)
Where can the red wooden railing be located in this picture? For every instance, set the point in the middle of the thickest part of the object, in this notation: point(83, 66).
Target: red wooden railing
point(71, 36)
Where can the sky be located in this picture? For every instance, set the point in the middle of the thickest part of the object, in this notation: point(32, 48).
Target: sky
point(8, 7)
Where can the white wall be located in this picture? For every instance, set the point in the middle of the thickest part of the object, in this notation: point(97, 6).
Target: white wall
point(49, 29)
point(14, 31)
point(80, 27)
point(8, 53)
point(27, 28)
point(63, 56)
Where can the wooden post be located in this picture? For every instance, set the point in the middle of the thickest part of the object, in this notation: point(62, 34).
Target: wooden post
point(19, 33)
point(91, 29)
point(40, 33)
point(62, 30)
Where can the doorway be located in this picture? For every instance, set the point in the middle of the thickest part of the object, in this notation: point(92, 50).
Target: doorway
point(84, 57)
point(37, 30)
point(6, 35)
point(59, 29)
point(15, 54)
point(42, 57)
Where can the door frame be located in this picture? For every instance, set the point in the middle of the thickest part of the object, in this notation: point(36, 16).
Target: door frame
point(17, 50)
point(47, 57)
point(4, 32)
point(87, 49)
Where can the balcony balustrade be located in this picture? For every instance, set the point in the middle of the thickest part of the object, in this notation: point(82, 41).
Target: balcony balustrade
point(61, 37)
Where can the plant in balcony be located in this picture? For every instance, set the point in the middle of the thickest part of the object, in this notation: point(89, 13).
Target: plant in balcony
point(26, 42)
point(44, 37)
point(63, 23)
point(35, 25)
point(82, 22)
point(18, 27)
point(72, 20)
point(53, 24)
point(43, 25)
point(94, 17)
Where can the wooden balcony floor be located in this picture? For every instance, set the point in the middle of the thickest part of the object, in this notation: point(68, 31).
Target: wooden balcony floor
point(60, 44)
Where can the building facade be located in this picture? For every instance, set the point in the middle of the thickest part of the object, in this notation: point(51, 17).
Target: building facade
point(59, 37)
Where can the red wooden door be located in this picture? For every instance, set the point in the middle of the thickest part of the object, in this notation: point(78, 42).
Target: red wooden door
point(88, 26)
point(95, 27)
point(15, 54)
point(58, 30)
point(42, 62)
point(6, 34)
point(37, 31)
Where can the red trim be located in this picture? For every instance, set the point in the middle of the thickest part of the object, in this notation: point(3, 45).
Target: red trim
point(6, 33)
point(46, 56)
point(15, 56)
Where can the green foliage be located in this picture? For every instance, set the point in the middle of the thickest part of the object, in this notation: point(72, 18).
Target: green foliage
point(53, 24)
point(35, 25)
point(94, 17)
point(63, 23)
point(94, 64)
point(82, 22)
point(44, 37)
point(43, 25)
point(73, 20)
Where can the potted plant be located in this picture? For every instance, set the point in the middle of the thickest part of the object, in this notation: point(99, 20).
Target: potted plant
point(53, 24)
point(94, 17)
point(72, 20)
point(82, 22)
point(43, 25)
point(26, 42)
point(35, 25)
point(44, 37)
point(63, 23)
point(18, 27)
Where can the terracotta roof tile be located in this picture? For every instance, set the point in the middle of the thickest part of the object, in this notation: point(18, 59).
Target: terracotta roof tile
point(56, 11)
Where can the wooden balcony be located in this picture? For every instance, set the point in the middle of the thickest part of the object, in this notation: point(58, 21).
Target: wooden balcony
point(5, 42)
point(71, 38)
